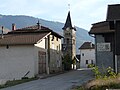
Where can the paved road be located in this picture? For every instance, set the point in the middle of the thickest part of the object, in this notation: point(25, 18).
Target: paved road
point(60, 82)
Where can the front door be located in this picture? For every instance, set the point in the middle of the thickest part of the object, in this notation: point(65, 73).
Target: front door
point(42, 62)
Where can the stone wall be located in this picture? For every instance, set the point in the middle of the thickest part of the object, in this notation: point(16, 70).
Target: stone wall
point(104, 59)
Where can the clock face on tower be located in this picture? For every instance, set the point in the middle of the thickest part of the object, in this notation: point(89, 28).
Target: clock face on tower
point(67, 32)
point(67, 29)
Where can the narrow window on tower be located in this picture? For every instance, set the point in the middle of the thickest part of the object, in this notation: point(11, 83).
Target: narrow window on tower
point(67, 40)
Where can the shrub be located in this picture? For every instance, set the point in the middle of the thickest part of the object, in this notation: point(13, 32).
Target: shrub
point(96, 72)
point(91, 65)
point(109, 72)
point(67, 62)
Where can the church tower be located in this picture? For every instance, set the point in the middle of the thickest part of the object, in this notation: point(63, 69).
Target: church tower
point(69, 41)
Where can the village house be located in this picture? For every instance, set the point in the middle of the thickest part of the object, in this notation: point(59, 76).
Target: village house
point(87, 54)
point(107, 39)
point(28, 52)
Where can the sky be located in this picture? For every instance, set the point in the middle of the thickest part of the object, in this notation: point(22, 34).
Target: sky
point(83, 12)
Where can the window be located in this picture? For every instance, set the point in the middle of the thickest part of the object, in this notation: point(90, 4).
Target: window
point(91, 61)
point(45, 43)
point(57, 38)
point(7, 47)
point(64, 40)
point(57, 48)
point(63, 46)
point(82, 54)
point(86, 61)
point(52, 37)
point(67, 40)
point(67, 34)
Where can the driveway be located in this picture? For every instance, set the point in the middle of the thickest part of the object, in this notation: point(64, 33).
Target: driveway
point(59, 82)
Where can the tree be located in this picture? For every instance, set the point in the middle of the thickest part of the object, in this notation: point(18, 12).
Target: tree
point(67, 62)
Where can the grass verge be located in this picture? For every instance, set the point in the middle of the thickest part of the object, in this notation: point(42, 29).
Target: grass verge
point(16, 82)
point(100, 84)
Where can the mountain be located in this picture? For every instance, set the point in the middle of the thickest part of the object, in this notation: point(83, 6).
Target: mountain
point(23, 21)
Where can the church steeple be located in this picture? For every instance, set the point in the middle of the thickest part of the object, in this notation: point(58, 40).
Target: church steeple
point(69, 40)
point(68, 22)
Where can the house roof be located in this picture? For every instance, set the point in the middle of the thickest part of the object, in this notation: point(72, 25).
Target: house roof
point(87, 45)
point(101, 27)
point(27, 35)
point(22, 39)
point(68, 22)
point(30, 29)
point(113, 12)
point(35, 29)
point(40, 27)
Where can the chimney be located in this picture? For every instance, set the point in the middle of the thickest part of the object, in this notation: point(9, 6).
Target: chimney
point(91, 44)
point(38, 24)
point(2, 33)
point(13, 27)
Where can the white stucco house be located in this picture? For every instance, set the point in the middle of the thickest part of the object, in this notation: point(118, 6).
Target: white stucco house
point(28, 52)
point(87, 54)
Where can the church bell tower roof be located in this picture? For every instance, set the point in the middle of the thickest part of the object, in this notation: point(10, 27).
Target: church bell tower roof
point(68, 22)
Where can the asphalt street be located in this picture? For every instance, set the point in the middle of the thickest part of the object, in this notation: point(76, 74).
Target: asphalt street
point(59, 82)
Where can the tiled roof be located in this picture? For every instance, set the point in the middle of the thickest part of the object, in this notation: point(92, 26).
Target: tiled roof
point(30, 29)
point(87, 45)
point(40, 27)
point(34, 29)
point(113, 12)
point(22, 39)
point(101, 27)
point(27, 35)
